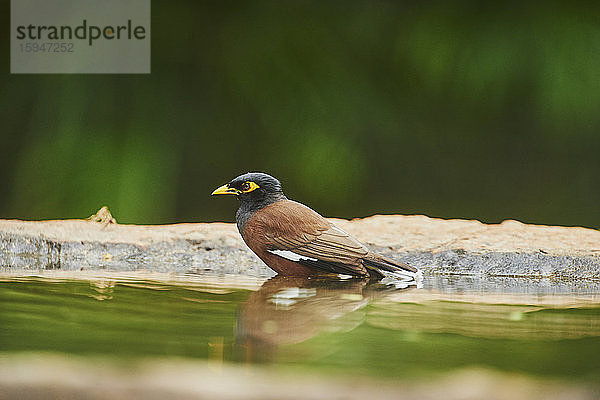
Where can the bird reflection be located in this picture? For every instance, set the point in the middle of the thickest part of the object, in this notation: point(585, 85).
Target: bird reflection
point(289, 310)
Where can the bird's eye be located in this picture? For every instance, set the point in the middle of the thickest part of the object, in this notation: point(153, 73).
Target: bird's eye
point(245, 186)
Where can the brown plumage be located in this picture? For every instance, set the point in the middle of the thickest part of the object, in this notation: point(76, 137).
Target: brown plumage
point(294, 240)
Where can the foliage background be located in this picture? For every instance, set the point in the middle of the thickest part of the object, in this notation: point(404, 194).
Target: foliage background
point(463, 109)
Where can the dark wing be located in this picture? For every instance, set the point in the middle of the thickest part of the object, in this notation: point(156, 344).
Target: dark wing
point(294, 231)
point(332, 245)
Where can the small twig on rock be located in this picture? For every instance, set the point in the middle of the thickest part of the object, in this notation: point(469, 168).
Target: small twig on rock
point(103, 216)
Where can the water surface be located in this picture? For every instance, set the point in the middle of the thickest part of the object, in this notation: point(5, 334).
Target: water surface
point(332, 328)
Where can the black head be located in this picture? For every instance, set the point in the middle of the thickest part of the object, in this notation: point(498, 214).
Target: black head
point(253, 187)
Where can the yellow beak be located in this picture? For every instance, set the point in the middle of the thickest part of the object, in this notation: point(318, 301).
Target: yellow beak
point(225, 189)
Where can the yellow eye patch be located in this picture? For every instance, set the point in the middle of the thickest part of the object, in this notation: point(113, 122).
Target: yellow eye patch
point(249, 186)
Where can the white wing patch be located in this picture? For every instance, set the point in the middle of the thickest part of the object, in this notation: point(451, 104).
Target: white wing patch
point(290, 255)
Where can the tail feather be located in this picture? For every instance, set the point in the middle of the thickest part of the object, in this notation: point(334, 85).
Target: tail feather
point(376, 261)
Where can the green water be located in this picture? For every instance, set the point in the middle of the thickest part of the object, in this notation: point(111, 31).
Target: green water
point(332, 328)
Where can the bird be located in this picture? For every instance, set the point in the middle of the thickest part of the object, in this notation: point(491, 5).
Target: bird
point(294, 240)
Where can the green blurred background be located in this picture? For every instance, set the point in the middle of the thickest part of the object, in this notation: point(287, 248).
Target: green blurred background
point(464, 109)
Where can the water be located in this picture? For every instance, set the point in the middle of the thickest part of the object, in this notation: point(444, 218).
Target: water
point(326, 329)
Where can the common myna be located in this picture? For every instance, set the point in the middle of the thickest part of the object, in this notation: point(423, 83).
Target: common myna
point(294, 240)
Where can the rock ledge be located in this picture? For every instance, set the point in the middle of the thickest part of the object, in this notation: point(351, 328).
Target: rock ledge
point(436, 246)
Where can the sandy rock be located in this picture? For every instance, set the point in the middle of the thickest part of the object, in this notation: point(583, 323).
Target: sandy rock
point(435, 245)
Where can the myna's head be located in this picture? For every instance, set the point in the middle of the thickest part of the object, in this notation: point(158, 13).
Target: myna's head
point(253, 187)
